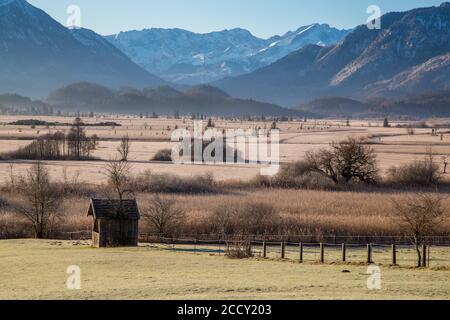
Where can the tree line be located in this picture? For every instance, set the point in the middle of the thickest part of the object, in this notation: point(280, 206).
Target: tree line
point(75, 145)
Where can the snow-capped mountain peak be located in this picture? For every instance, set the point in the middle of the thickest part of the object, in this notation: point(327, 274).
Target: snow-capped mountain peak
point(182, 56)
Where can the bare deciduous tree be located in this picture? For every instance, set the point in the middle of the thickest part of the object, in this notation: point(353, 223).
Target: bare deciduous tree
point(119, 186)
point(419, 216)
point(346, 161)
point(118, 173)
point(124, 148)
point(79, 145)
point(163, 214)
point(41, 199)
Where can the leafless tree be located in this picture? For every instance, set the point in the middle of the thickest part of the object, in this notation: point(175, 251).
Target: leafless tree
point(163, 214)
point(89, 145)
point(346, 161)
point(118, 173)
point(124, 148)
point(119, 186)
point(444, 160)
point(80, 146)
point(75, 138)
point(41, 199)
point(419, 216)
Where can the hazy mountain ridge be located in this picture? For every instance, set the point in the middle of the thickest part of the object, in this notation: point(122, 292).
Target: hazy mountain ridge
point(206, 100)
point(339, 107)
point(425, 105)
point(38, 54)
point(210, 101)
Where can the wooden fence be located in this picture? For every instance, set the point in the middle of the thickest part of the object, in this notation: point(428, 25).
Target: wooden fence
point(443, 240)
point(435, 250)
point(322, 253)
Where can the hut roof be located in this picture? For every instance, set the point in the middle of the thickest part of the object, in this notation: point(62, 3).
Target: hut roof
point(113, 209)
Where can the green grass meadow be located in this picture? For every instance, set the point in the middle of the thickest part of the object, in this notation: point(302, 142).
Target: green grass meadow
point(36, 269)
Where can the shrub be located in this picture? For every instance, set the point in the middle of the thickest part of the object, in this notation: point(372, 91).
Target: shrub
point(13, 226)
point(424, 173)
point(169, 183)
point(162, 214)
point(298, 175)
point(246, 218)
point(291, 175)
point(260, 181)
point(315, 181)
point(239, 249)
point(296, 169)
point(71, 186)
point(163, 155)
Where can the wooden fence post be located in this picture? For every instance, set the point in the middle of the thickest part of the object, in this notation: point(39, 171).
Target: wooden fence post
point(283, 250)
point(424, 255)
point(301, 252)
point(394, 255)
point(264, 250)
point(322, 253)
point(369, 253)
point(344, 252)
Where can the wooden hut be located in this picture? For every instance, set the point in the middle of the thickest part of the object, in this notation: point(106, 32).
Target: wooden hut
point(115, 223)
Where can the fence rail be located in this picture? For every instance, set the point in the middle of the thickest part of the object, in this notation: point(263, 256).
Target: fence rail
point(326, 239)
point(396, 254)
point(391, 250)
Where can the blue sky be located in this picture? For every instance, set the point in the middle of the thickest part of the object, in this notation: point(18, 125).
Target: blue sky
point(263, 18)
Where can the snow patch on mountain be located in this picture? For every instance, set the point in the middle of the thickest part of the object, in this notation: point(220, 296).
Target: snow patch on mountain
point(190, 58)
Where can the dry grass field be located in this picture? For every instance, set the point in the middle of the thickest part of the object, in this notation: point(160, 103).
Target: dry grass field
point(37, 270)
point(306, 212)
point(393, 145)
point(348, 212)
point(342, 213)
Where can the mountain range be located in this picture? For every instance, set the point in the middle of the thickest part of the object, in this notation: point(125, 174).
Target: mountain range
point(165, 100)
point(363, 71)
point(409, 54)
point(87, 97)
point(414, 106)
point(38, 54)
point(181, 56)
